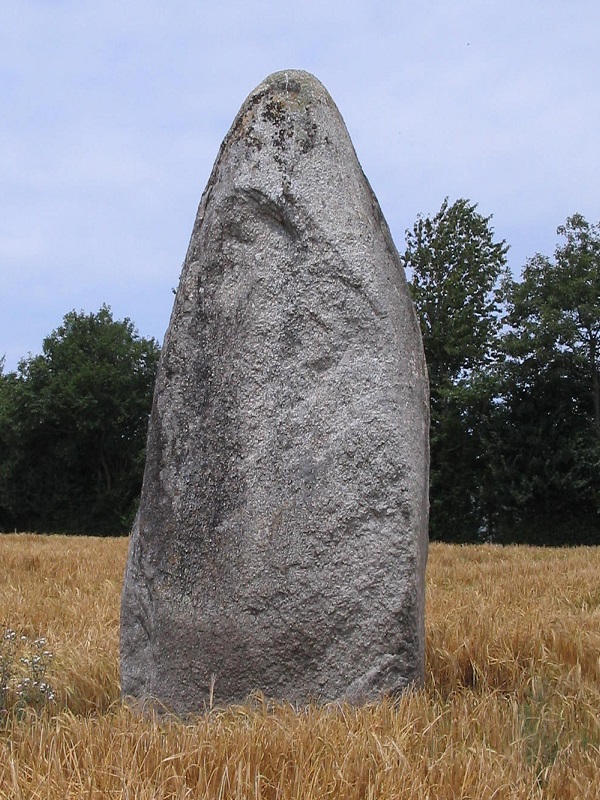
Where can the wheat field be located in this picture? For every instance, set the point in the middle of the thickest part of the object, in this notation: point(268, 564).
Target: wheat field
point(510, 708)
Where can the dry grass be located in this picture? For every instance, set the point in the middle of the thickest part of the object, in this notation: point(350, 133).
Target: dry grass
point(510, 709)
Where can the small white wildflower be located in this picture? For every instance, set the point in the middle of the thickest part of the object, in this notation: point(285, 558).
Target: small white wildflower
point(9, 635)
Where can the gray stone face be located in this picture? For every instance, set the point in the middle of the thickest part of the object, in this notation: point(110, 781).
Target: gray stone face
point(281, 539)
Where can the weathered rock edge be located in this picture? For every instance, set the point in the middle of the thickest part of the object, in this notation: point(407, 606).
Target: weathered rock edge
point(281, 539)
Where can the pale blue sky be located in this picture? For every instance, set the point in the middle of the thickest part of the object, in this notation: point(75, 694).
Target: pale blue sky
point(113, 113)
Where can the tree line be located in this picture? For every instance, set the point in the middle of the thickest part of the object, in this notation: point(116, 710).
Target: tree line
point(514, 380)
point(73, 426)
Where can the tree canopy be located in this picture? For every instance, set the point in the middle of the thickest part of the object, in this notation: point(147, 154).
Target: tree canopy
point(515, 384)
point(73, 426)
point(550, 405)
point(454, 266)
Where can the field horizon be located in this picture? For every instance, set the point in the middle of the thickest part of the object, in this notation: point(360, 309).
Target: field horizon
point(509, 708)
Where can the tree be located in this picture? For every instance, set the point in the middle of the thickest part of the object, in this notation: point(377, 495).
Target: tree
point(454, 267)
point(555, 310)
point(551, 405)
point(73, 426)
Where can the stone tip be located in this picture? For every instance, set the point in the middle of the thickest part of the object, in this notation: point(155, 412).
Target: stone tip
point(285, 77)
point(291, 82)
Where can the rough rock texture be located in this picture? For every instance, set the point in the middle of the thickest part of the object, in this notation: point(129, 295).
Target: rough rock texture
point(281, 539)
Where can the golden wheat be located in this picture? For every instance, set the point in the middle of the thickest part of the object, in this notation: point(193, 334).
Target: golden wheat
point(509, 710)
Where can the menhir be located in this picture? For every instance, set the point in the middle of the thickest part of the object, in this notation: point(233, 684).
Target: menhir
point(281, 539)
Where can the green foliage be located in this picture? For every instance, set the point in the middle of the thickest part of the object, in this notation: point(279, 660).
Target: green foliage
point(550, 411)
point(73, 427)
point(454, 266)
point(555, 311)
point(515, 380)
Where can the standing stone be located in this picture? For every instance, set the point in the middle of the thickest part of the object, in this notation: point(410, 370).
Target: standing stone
point(281, 538)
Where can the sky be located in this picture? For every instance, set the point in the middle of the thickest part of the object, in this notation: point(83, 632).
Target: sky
point(112, 114)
